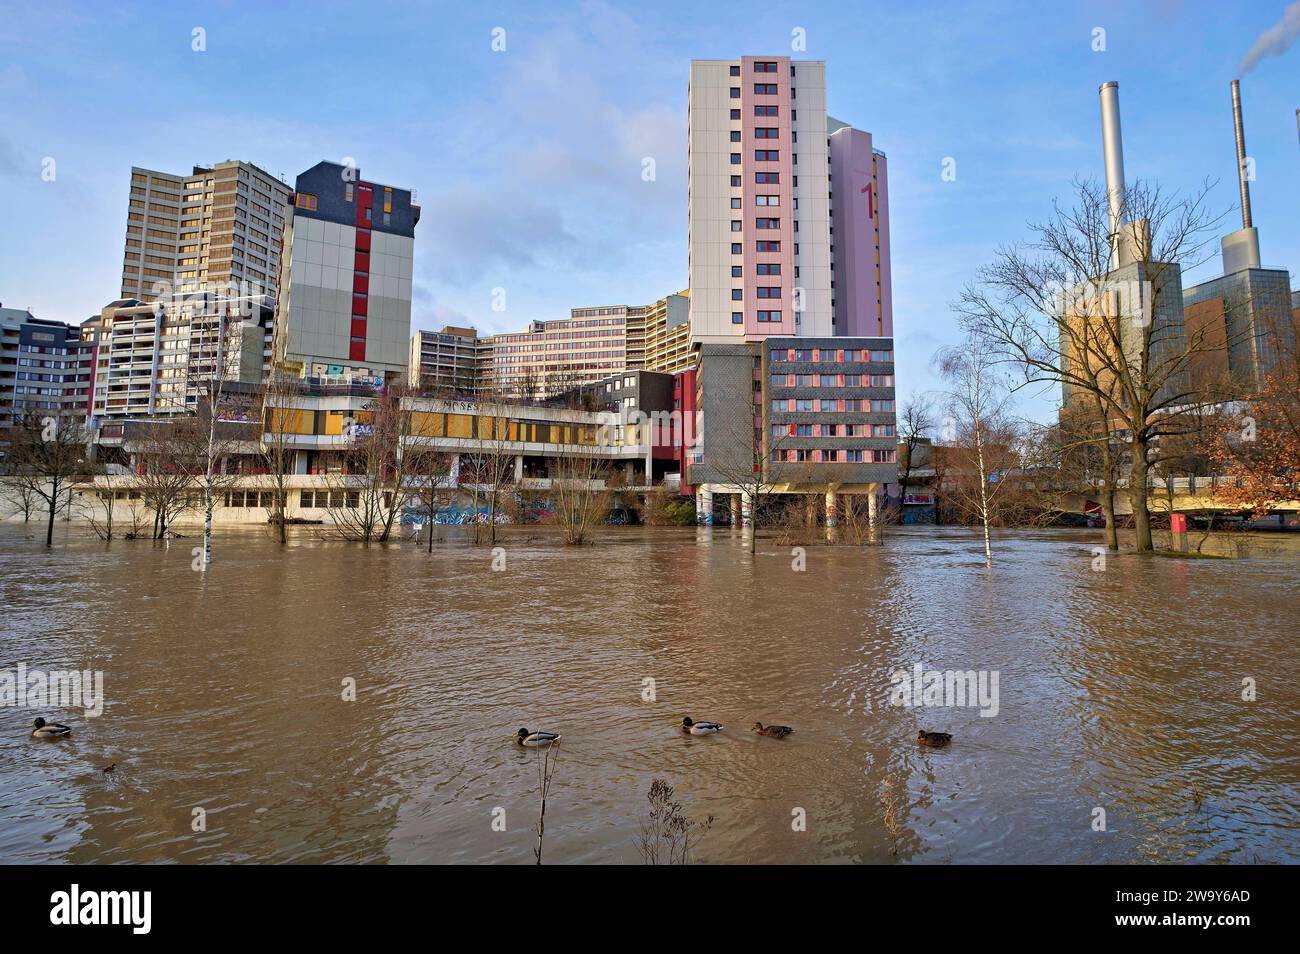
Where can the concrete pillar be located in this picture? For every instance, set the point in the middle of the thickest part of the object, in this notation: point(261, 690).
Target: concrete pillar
point(704, 506)
point(629, 473)
point(873, 515)
point(810, 511)
point(519, 468)
point(455, 470)
point(746, 511)
point(832, 518)
point(735, 510)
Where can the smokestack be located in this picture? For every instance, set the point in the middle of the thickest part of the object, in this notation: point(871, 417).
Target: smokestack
point(1241, 248)
point(1113, 148)
point(1241, 154)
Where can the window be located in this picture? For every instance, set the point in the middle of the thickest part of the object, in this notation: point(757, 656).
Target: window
point(772, 316)
point(735, 135)
point(735, 225)
point(762, 89)
point(769, 269)
point(765, 110)
point(388, 202)
point(766, 155)
point(882, 356)
point(305, 201)
point(738, 319)
point(735, 114)
point(769, 291)
point(737, 294)
point(767, 200)
point(735, 271)
point(768, 246)
point(735, 158)
point(735, 202)
point(764, 67)
point(766, 224)
point(735, 92)
point(736, 249)
point(766, 132)
point(347, 192)
point(735, 71)
point(735, 182)
point(767, 178)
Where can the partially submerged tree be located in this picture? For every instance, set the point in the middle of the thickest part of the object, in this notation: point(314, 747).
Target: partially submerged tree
point(1093, 303)
point(1259, 445)
point(46, 454)
point(366, 501)
point(578, 486)
point(916, 424)
point(282, 419)
point(983, 437)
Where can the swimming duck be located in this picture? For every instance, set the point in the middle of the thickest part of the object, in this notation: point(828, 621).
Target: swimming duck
point(535, 740)
point(49, 730)
point(700, 728)
point(935, 739)
point(773, 731)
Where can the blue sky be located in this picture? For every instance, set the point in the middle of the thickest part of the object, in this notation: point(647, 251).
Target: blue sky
point(528, 162)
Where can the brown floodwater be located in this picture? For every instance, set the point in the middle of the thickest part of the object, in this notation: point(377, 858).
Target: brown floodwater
point(1120, 688)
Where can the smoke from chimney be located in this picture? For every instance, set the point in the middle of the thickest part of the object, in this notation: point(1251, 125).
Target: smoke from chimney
point(1274, 41)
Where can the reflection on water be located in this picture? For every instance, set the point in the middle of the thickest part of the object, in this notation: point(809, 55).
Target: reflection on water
point(1119, 689)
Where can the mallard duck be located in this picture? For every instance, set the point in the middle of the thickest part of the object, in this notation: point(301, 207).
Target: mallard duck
point(935, 739)
point(700, 728)
point(49, 730)
point(773, 731)
point(535, 740)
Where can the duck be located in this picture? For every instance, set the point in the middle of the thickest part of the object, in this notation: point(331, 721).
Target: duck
point(49, 730)
point(535, 740)
point(700, 728)
point(934, 739)
point(773, 731)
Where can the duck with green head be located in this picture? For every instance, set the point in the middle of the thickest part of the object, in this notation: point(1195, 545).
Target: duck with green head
point(49, 730)
point(535, 740)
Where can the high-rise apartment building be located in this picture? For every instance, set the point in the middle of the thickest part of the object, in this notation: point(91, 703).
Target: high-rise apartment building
point(668, 335)
point(154, 358)
point(789, 242)
point(557, 355)
point(450, 360)
point(759, 201)
point(862, 299)
point(44, 368)
point(344, 308)
point(208, 229)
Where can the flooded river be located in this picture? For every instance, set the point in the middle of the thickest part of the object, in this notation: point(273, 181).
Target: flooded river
point(1119, 689)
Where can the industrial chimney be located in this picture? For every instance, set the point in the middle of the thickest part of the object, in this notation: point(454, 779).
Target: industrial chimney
point(1113, 149)
point(1241, 248)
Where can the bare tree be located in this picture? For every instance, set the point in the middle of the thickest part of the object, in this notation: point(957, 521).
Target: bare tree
point(166, 468)
point(753, 462)
point(578, 482)
point(1095, 306)
point(493, 459)
point(916, 423)
point(374, 492)
point(428, 470)
point(282, 413)
point(46, 453)
point(977, 403)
